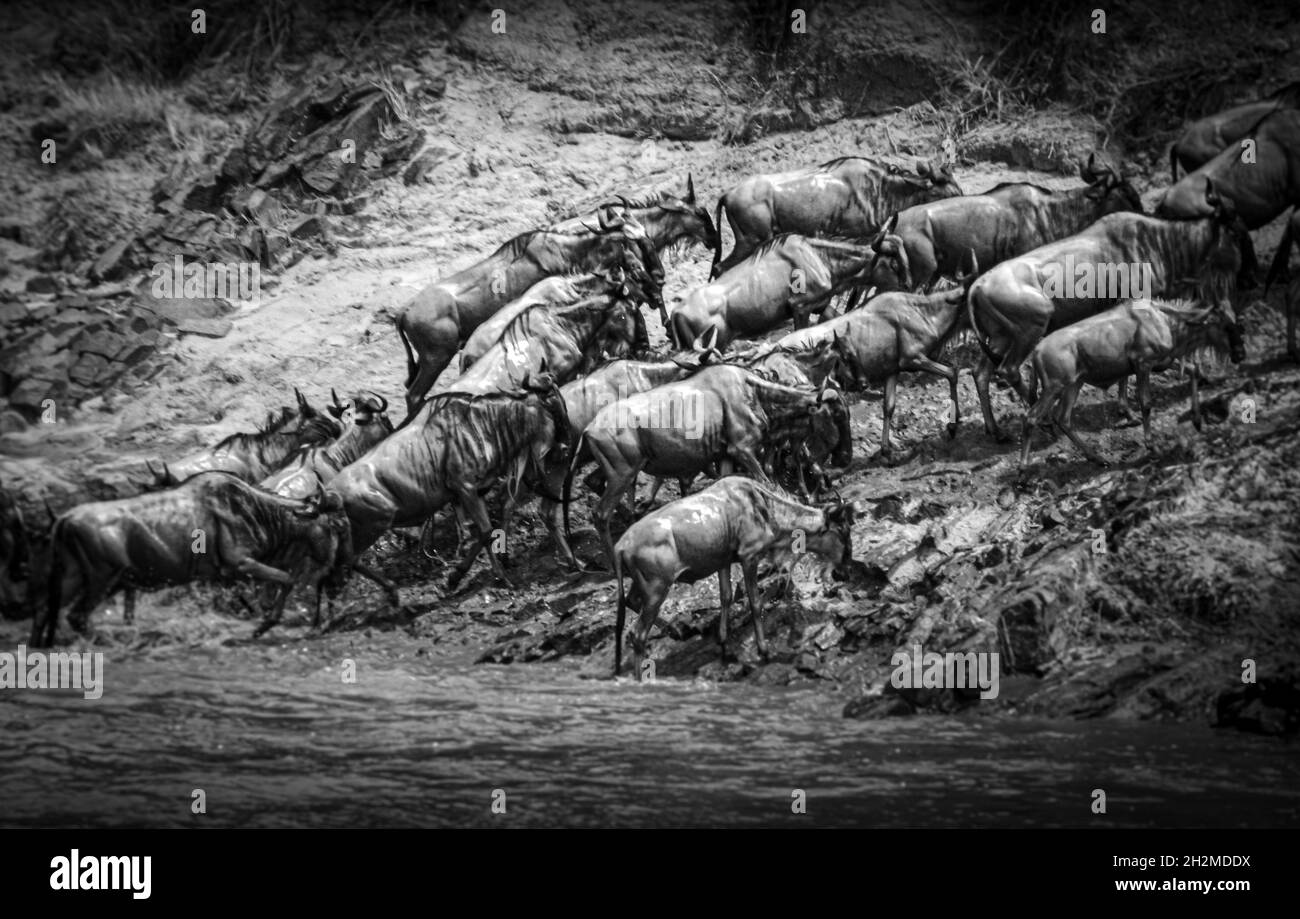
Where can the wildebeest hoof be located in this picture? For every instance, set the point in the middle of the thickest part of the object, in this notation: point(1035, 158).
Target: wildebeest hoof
point(1001, 436)
point(952, 430)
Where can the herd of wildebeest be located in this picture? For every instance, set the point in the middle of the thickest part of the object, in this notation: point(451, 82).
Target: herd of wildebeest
point(556, 374)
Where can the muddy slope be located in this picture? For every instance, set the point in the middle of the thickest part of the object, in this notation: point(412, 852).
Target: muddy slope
point(1199, 566)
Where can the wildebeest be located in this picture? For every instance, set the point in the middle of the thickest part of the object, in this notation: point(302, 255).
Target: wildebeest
point(1259, 187)
point(667, 218)
point(555, 292)
point(213, 526)
point(313, 467)
point(439, 319)
point(14, 557)
point(850, 196)
point(897, 332)
point(252, 457)
point(455, 447)
point(1006, 221)
point(733, 520)
point(721, 415)
point(1122, 256)
point(1131, 338)
point(560, 340)
point(1203, 140)
point(785, 278)
point(583, 400)
point(796, 361)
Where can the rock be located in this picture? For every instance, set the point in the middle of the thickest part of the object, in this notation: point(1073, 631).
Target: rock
point(309, 227)
point(111, 263)
point(104, 343)
point(12, 313)
point(88, 369)
point(879, 706)
point(42, 284)
point(1270, 706)
point(12, 422)
point(20, 231)
point(209, 328)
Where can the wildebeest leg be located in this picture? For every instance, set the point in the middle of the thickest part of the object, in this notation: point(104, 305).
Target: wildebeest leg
point(263, 572)
point(438, 345)
point(128, 605)
point(949, 373)
point(389, 588)
point(724, 595)
point(1121, 395)
point(891, 400)
point(1291, 306)
point(983, 374)
point(1066, 421)
point(1034, 416)
point(1144, 402)
point(617, 484)
point(478, 514)
point(750, 570)
point(1196, 403)
point(653, 591)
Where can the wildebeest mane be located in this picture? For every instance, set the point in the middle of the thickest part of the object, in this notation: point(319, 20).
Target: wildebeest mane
point(271, 425)
point(1033, 185)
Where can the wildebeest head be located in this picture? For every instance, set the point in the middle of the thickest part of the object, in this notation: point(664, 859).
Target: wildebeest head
point(1107, 187)
point(1233, 252)
point(702, 353)
point(933, 175)
point(370, 408)
point(844, 371)
point(694, 219)
point(890, 248)
point(618, 335)
point(546, 389)
point(1218, 327)
point(636, 254)
point(830, 427)
point(835, 541)
point(329, 540)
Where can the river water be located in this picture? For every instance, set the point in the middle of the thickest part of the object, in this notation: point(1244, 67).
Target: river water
point(274, 736)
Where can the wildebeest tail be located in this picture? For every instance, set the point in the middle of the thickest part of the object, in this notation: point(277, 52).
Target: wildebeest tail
point(1281, 257)
point(717, 222)
point(412, 366)
point(620, 619)
point(1173, 163)
point(568, 483)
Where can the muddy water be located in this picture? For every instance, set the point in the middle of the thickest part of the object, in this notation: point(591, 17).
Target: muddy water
point(275, 737)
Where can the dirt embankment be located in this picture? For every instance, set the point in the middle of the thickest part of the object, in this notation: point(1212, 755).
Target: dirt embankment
point(1195, 568)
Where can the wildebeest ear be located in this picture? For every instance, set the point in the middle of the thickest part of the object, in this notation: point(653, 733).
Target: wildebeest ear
point(923, 169)
point(889, 226)
point(690, 189)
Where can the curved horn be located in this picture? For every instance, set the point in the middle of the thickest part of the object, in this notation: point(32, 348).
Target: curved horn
point(383, 403)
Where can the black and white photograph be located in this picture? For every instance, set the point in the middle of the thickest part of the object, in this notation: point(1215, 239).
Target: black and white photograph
point(650, 414)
